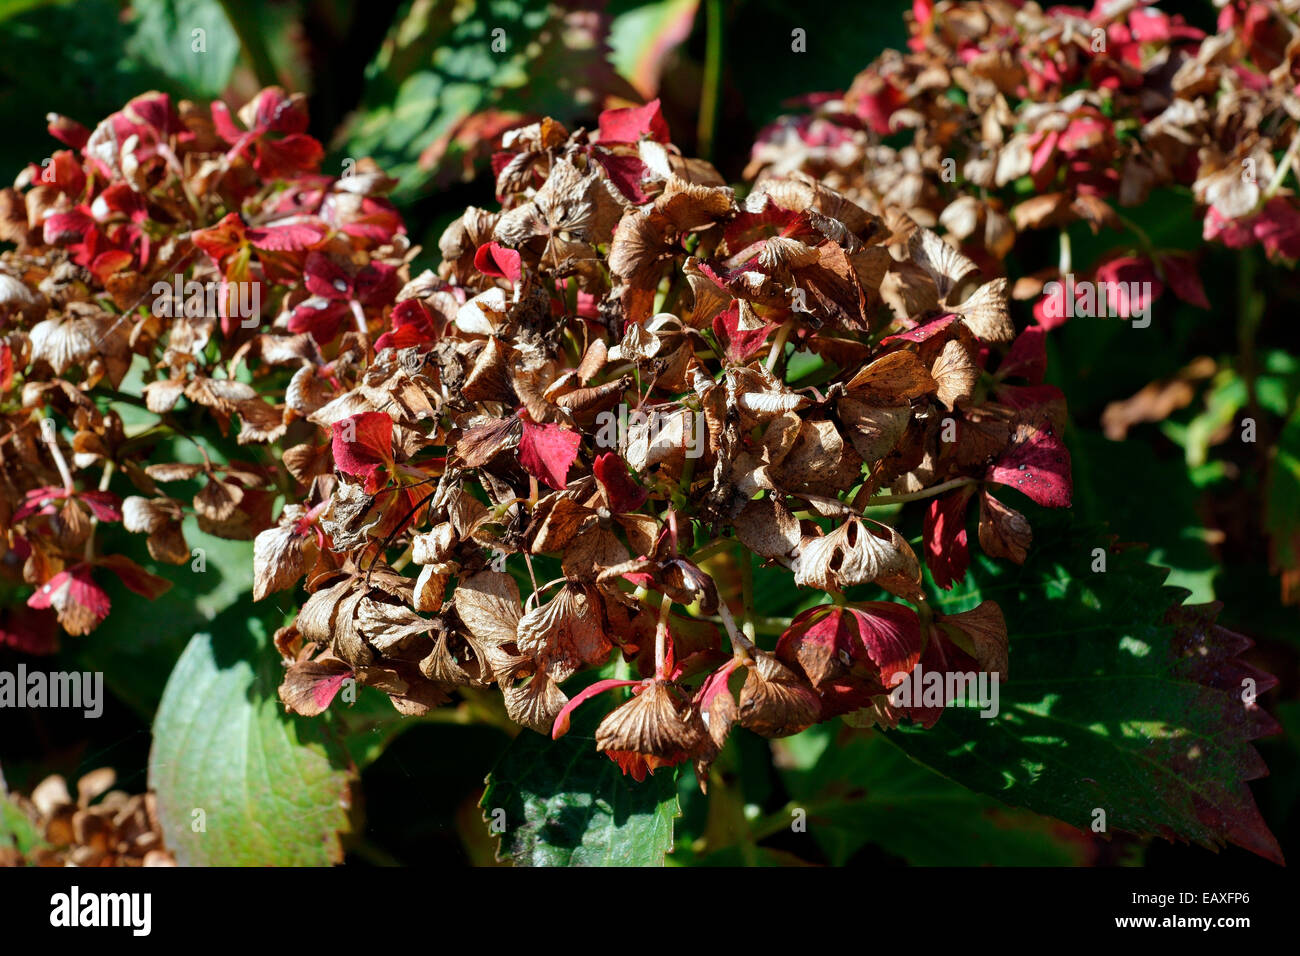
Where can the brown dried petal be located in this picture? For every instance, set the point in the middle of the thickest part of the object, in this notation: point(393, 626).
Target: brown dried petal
point(946, 266)
point(566, 633)
point(298, 690)
point(891, 380)
point(218, 500)
point(983, 630)
point(874, 431)
point(488, 605)
point(535, 704)
point(328, 618)
point(389, 627)
point(768, 528)
point(955, 373)
point(852, 554)
point(1004, 532)
point(985, 312)
point(650, 724)
point(775, 702)
point(431, 587)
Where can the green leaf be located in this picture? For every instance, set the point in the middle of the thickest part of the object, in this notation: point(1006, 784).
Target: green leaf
point(12, 8)
point(565, 804)
point(1226, 397)
point(860, 789)
point(275, 789)
point(189, 41)
point(452, 75)
point(63, 58)
point(1115, 483)
point(642, 36)
point(1119, 699)
point(136, 660)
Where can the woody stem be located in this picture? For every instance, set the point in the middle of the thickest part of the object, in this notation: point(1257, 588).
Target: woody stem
point(923, 493)
point(778, 344)
point(738, 640)
point(360, 317)
point(528, 560)
point(61, 463)
point(661, 635)
point(711, 86)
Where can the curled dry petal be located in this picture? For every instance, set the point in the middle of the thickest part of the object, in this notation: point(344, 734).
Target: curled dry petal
point(648, 732)
point(567, 632)
point(1004, 532)
point(854, 554)
point(775, 702)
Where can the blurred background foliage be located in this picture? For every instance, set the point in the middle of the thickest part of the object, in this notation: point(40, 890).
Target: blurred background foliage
point(424, 87)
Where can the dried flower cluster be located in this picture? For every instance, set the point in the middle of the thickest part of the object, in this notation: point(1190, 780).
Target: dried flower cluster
point(1022, 118)
point(623, 373)
point(149, 256)
point(599, 374)
point(101, 827)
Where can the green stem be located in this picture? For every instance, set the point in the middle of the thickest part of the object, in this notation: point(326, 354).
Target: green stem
point(712, 83)
point(404, 558)
point(778, 345)
point(923, 493)
point(1283, 168)
point(746, 559)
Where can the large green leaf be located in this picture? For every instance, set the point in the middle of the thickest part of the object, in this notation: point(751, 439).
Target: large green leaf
point(189, 41)
point(63, 58)
point(136, 660)
point(1120, 699)
point(274, 789)
point(863, 790)
point(1115, 481)
point(567, 805)
point(643, 34)
point(453, 73)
